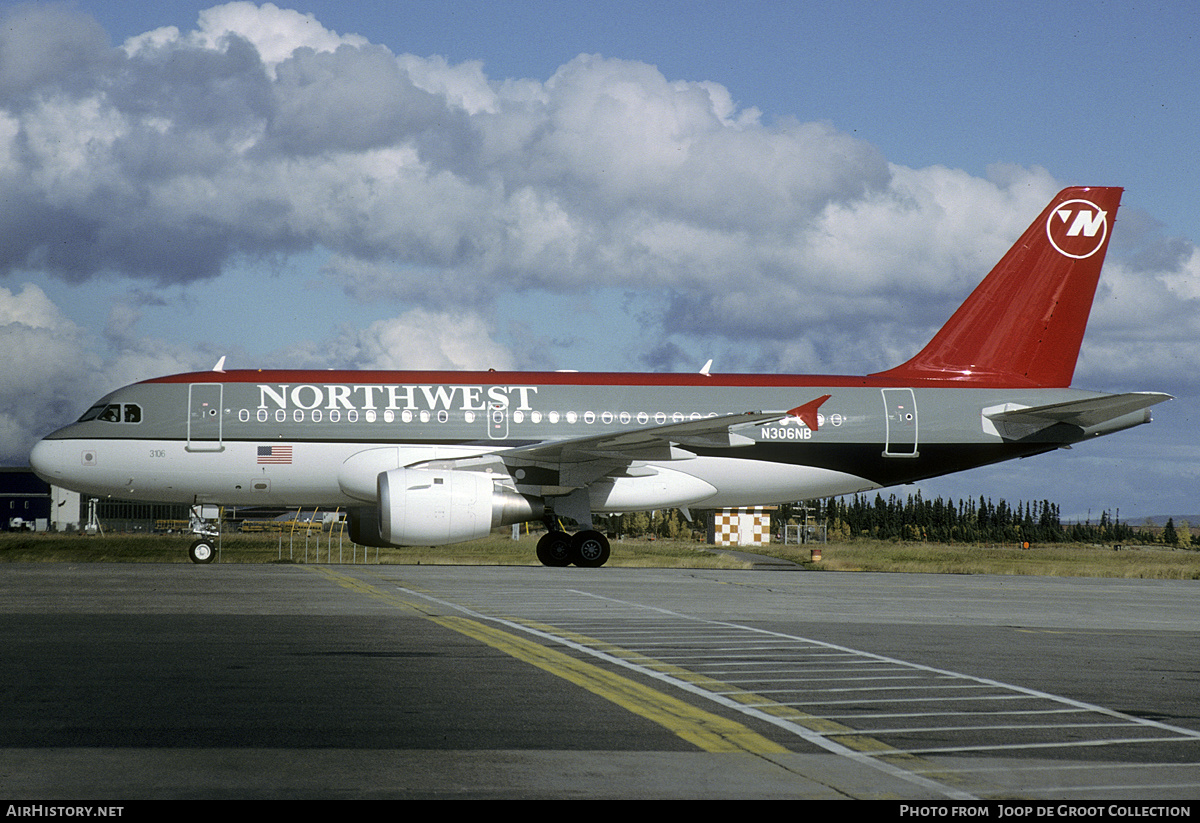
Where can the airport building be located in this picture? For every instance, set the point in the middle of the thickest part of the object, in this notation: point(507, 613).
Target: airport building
point(741, 527)
point(26, 503)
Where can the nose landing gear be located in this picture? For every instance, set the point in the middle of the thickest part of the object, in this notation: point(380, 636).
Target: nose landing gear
point(202, 551)
point(206, 524)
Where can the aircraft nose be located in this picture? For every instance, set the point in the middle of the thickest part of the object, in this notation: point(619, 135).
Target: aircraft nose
point(46, 460)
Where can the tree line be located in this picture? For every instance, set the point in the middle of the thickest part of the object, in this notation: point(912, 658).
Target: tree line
point(934, 521)
point(974, 521)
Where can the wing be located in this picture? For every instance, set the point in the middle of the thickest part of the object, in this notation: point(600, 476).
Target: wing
point(650, 443)
point(559, 466)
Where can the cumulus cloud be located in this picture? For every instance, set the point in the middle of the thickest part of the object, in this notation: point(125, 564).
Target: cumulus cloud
point(438, 190)
point(53, 368)
point(419, 339)
point(48, 47)
point(262, 131)
point(46, 359)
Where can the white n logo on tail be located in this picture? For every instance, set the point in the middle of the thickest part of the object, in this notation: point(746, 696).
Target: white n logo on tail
point(1077, 228)
point(1085, 221)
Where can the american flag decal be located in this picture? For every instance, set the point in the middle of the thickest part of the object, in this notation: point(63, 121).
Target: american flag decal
point(274, 454)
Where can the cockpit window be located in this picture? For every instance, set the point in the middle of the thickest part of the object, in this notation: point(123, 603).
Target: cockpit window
point(92, 413)
point(113, 413)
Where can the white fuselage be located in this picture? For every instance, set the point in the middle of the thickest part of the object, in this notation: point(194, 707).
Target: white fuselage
point(291, 439)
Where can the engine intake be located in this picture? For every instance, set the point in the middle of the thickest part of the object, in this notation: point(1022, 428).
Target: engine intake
point(364, 527)
point(429, 507)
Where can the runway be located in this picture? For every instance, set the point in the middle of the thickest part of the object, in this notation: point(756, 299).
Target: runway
point(142, 681)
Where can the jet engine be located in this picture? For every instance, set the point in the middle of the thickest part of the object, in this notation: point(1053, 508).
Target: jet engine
point(431, 507)
point(364, 527)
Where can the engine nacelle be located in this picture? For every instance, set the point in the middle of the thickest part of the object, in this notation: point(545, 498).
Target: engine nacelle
point(364, 526)
point(431, 507)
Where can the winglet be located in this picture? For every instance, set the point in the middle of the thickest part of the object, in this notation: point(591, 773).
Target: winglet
point(220, 367)
point(706, 367)
point(808, 412)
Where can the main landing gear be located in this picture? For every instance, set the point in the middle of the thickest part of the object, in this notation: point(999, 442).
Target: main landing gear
point(586, 548)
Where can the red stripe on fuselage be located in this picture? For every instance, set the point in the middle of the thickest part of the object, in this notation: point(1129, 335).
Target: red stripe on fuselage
point(454, 378)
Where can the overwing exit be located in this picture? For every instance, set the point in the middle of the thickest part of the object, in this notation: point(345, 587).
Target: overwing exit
point(433, 458)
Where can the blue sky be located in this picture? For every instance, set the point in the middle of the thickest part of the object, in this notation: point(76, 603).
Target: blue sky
point(1081, 87)
point(603, 185)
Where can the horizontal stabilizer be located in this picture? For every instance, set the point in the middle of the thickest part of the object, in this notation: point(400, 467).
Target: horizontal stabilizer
point(1019, 423)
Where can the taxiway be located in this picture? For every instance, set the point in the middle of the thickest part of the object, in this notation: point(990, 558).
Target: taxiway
point(131, 681)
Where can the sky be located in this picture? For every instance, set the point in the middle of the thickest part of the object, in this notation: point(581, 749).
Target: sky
point(605, 186)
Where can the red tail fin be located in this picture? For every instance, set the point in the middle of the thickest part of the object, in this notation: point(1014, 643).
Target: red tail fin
point(1024, 323)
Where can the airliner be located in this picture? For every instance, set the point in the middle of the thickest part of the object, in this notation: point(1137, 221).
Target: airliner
point(436, 458)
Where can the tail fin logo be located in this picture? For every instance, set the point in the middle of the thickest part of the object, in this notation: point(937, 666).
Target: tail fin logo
point(1077, 228)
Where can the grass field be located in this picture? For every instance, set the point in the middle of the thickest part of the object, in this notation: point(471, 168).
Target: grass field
point(1071, 560)
point(313, 548)
point(878, 556)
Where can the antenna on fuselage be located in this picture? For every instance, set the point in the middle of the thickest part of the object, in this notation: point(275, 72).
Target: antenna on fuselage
point(707, 366)
point(220, 367)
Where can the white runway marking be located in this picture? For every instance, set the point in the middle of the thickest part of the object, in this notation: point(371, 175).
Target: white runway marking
point(828, 695)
